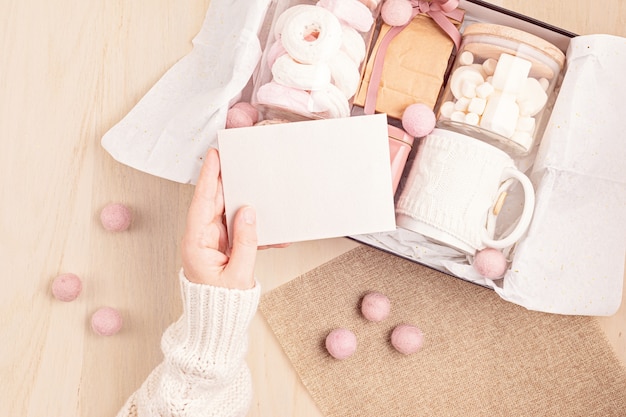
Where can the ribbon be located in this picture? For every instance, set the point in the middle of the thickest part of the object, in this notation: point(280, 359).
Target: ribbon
point(439, 11)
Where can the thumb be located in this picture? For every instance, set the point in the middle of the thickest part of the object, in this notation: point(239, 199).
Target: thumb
point(243, 253)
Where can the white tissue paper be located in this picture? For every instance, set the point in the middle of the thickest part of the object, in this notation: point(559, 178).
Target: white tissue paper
point(572, 259)
point(170, 129)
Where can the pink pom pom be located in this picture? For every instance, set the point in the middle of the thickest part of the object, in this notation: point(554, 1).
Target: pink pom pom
point(241, 114)
point(66, 287)
point(407, 339)
point(341, 343)
point(116, 217)
point(418, 120)
point(106, 321)
point(490, 263)
point(249, 109)
point(375, 306)
point(237, 118)
point(396, 12)
point(448, 5)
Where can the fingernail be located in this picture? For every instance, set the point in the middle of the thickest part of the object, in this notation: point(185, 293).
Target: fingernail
point(249, 215)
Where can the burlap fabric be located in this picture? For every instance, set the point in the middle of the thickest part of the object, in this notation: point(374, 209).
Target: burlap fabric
point(482, 356)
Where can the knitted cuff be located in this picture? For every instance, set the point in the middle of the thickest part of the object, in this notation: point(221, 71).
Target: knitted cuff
point(213, 329)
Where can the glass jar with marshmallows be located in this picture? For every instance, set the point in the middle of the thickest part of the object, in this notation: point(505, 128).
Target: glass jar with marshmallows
point(501, 87)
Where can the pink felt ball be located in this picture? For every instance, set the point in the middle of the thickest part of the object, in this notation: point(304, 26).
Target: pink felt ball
point(418, 120)
point(407, 339)
point(66, 287)
point(116, 217)
point(490, 263)
point(341, 343)
point(375, 306)
point(106, 321)
point(396, 12)
point(238, 118)
point(249, 109)
point(449, 5)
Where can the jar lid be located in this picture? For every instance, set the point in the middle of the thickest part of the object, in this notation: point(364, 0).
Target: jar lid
point(510, 33)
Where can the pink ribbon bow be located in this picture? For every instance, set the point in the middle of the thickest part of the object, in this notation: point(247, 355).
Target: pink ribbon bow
point(439, 11)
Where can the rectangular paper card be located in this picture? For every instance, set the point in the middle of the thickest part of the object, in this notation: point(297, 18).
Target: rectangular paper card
point(310, 180)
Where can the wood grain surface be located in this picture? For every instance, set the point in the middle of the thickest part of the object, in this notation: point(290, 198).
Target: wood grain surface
point(69, 70)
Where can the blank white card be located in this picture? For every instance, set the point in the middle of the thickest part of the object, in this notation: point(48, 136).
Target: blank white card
point(310, 180)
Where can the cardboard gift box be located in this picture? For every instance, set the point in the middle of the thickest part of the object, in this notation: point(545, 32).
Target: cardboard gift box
point(571, 261)
point(420, 52)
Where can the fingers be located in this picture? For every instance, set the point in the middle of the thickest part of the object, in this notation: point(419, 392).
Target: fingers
point(243, 253)
point(207, 202)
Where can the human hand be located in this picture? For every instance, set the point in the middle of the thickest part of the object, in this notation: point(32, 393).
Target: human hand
point(205, 254)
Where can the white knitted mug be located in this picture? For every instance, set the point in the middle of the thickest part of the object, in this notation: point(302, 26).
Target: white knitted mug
point(455, 189)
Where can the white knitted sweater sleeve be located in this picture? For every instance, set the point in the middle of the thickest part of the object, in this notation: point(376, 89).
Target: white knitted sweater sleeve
point(204, 372)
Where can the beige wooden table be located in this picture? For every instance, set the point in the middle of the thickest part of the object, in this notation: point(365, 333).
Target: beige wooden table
point(69, 70)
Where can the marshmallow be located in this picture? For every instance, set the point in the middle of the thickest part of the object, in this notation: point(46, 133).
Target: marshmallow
point(446, 109)
point(458, 116)
point(352, 12)
point(468, 89)
point(545, 83)
point(472, 119)
point(489, 66)
point(352, 43)
point(532, 98)
point(275, 50)
point(511, 73)
point(525, 124)
point(479, 68)
point(477, 105)
point(293, 74)
point(298, 30)
point(285, 16)
point(466, 58)
point(333, 100)
point(462, 104)
point(501, 114)
point(344, 73)
point(294, 99)
point(466, 73)
point(484, 90)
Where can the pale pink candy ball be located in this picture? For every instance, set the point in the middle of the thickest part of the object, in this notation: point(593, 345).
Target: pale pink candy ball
point(106, 321)
point(375, 306)
point(66, 287)
point(341, 343)
point(418, 120)
point(490, 263)
point(407, 339)
point(116, 217)
point(396, 12)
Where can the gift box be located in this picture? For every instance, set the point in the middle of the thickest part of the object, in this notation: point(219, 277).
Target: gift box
point(571, 259)
point(419, 52)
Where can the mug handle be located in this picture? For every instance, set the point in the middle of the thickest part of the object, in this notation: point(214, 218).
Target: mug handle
point(524, 220)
